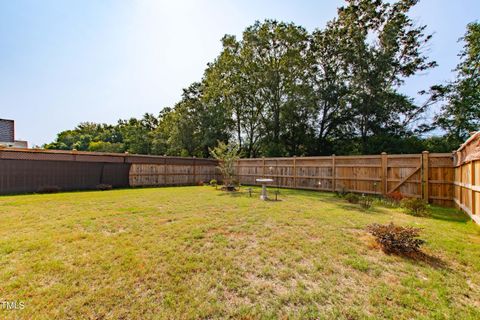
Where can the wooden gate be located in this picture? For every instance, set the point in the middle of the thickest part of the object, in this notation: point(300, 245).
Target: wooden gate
point(403, 174)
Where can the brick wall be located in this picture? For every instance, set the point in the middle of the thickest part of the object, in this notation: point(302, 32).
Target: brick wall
point(7, 130)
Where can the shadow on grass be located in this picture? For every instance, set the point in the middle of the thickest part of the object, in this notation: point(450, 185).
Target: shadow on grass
point(343, 204)
point(441, 213)
point(239, 193)
point(273, 200)
point(417, 257)
point(426, 259)
point(235, 194)
point(288, 191)
point(448, 214)
point(254, 194)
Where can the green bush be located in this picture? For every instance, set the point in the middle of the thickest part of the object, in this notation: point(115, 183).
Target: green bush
point(366, 202)
point(396, 239)
point(213, 182)
point(414, 206)
point(342, 192)
point(352, 198)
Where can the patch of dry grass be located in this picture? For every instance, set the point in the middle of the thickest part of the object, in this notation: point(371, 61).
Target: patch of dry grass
point(193, 252)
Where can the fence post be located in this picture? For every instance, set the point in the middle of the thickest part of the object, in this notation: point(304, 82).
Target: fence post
point(384, 174)
point(276, 173)
point(472, 186)
point(194, 173)
point(237, 170)
point(455, 178)
point(263, 165)
point(461, 183)
point(294, 171)
point(425, 181)
point(165, 170)
point(334, 173)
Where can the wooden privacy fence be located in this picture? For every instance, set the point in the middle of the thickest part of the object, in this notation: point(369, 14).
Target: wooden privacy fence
point(428, 175)
point(467, 177)
point(169, 171)
point(33, 170)
point(440, 178)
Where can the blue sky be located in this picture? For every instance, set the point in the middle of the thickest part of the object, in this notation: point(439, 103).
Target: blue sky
point(64, 62)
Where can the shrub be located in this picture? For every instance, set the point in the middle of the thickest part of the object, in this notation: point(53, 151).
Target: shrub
point(352, 198)
point(366, 202)
point(236, 183)
point(415, 206)
point(49, 189)
point(342, 192)
point(396, 239)
point(213, 182)
point(395, 197)
point(103, 186)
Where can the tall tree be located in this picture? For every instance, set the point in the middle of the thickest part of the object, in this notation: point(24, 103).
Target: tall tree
point(461, 113)
point(329, 82)
point(276, 54)
point(136, 133)
point(383, 48)
point(89, 136)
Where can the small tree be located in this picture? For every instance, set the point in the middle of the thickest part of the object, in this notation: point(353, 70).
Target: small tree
point(226, 155)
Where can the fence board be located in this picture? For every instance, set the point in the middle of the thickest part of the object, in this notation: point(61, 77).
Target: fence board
point(373, 174)
point(169, 175)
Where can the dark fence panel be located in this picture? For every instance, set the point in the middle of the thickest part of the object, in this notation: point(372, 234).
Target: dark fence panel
point(31, 170)
point(22, 176)
point(116, 174)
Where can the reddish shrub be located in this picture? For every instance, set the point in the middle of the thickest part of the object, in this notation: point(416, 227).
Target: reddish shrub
point(395, 196)
point(396, 239)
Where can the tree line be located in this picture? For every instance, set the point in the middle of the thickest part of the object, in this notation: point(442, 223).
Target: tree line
point(281, 90)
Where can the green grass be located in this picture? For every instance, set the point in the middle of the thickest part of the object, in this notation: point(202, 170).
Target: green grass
point(194, 252)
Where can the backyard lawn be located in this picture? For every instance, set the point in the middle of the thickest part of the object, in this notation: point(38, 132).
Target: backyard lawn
point(195, 252)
